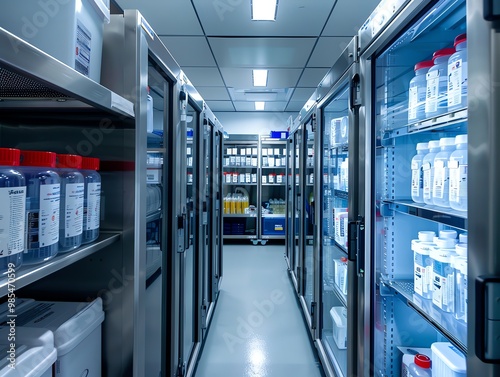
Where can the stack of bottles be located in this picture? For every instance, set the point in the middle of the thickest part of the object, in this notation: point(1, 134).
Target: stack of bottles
point(439, 173)
point(440, 270)
point(50, 204)
point(439, 84)
point(236, 204)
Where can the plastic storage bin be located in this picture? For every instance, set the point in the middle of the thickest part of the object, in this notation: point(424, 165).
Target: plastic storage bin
point(273, 226)
point(69, 30)
point(34, 353)
point(339, 317)
point(279, 134)
point(12, 210)
point(77, 332)
point(447, 361)
point(42, 206)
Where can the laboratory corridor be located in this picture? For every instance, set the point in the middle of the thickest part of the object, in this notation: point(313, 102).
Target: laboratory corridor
point(257, 329)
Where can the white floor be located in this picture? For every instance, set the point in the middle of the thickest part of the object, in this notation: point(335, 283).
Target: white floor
point(257, 329)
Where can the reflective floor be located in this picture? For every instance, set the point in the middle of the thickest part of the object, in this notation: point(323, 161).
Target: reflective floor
point(257, 329)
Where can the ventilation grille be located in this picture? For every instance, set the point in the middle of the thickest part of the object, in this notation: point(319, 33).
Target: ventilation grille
point(13, 85)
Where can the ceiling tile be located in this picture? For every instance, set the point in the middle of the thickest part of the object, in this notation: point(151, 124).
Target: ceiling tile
point(327, 51)
point(250, 106)
point(172, 17)
point(348, 16)
point(220, 106)
point(302, 94)
point(295, 106)
point(276, 78)
point(203, 76)
point(233, 18)
point(262, 52)
point(190, 51)
point(213, 93)
point(312, 77)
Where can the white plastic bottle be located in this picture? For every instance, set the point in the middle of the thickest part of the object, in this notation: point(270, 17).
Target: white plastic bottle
point(422, 273)
point(458, 174)
point(441, 179)
point(421, 366)
point(461, 289)
point(417, 173)
point(443, 293)
point(72, 190)
point(91, 199)
point(12, 210)
point(428, 169)
point(457, 75)
point(436, 100)
point(42, 206)
point(417, 91)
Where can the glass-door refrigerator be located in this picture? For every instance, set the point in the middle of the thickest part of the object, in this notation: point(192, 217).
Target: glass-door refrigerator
point(338, 219)
point(433, 272)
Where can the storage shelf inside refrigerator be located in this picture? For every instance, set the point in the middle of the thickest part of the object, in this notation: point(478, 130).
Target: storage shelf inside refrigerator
point(26, 275)
point(446, 323)
point(446, 216)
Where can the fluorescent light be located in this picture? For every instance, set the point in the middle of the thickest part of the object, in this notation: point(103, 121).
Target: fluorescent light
point(259, 105)
point(264, 10)
point(260, 77)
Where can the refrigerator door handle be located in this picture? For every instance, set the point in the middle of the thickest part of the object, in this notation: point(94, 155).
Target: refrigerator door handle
point(354, 90)
point(488, 318)
point(355, 247)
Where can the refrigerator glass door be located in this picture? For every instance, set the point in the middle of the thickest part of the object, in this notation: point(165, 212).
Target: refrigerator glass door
point(206, 220)
point(216, 181)
point(297, 206)
point(334, 202)
point(418, 279)
point(290, 218)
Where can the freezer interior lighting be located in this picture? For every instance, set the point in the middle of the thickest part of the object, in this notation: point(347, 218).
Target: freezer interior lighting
point(259, 105)
point(260, 77)
point(264, 10)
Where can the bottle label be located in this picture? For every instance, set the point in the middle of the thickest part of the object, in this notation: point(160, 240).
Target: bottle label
point(73, 211)
point(93, 210)
point(412, 102)
point(457, 84)
point(440, 179)
point(458, 181)
point(417, 180)
point(432, 91)
point(42, 225)
point(427, 184)
point(12, 208)
point(443, 293)
point(82, 48)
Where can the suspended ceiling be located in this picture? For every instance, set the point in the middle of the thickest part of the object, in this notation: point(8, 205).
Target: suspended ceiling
point(217, 45)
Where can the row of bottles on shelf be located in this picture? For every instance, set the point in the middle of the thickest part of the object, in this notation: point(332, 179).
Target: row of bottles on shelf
point(236, 177)
point(248, 151)
point(274, 206)
point(236, 204)
point(440, 84)
point(272, 161)
point(246, 161)
point(50, 204)
point(440, 270)
point(439, 173)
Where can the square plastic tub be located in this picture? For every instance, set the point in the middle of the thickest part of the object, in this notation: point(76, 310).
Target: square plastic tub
point(69, 30)
point(33, 354)
point(447, 361)
point(339, 317)
point(273, 226)
point(77, 332)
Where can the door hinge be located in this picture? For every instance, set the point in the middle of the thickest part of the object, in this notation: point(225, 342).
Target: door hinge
point(181, 230)
point(181, 369)
point(313, 315)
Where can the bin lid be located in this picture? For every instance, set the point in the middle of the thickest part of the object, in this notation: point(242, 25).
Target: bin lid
point(71, 322)
point(34, 351)
point(450, 355)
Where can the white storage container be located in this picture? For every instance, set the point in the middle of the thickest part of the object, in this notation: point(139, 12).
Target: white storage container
point(339, 317)
point(69, 30)
point(447, 361)
point(33, 355)
point(77, 332)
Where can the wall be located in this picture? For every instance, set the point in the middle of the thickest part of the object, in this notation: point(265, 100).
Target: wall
point(261, 123)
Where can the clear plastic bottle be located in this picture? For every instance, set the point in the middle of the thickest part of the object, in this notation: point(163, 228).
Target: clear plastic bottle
point(443, 293)
point(417, 173)
point(461, 290)
point(72, 190)
point(457, 75)
point(428, 169)
point(42, 206)
point(458, 174)
point(12, 210)
point(436, 100)
point(91, 199)
point(441, 180)
point(422, 276)
point(417, 91)
point(421, 366)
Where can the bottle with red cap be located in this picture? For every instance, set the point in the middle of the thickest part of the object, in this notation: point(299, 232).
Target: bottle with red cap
point(42, 206)
point(12, 209)
point(91, 199)
point(72, 193)
point(416, 93)
point(421, 366)
point(436, 100)
point(457, 75)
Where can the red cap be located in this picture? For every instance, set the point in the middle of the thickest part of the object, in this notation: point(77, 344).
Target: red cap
point(422, 361)
point(72, 161)
point(90, 163)
point(37, 158)
point(9, 157)
point(343, 259)
point(460, 38)
point(424, 64)
point(443, 52)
